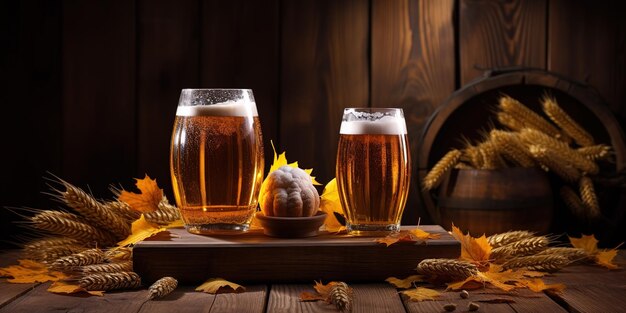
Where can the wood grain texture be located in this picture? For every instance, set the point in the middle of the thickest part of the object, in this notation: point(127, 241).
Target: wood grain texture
point(240, 49)
point(324, 68)
point(412, 62)
point(276, 260)
point(99, 146)
point(168, 50)
point(31, 122)
point(250, 301)
point(183, 299)
point(9, 291)
point(496, 34)
point(587, 42)
point(366, 298)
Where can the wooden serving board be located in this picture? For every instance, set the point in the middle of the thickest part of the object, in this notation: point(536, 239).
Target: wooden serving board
point(255, 258)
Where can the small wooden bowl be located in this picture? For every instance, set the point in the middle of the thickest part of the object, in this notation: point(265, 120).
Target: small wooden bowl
point(291, 227)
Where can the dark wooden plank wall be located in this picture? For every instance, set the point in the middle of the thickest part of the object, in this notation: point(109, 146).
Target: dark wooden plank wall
point(90, 88)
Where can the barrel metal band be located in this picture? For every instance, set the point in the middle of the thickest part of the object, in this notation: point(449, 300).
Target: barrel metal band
point(494, 204)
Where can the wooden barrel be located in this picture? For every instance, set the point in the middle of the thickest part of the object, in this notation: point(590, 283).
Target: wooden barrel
point(494, 201)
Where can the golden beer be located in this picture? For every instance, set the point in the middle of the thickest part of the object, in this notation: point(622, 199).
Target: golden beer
point(216, 162)
point(373, 170)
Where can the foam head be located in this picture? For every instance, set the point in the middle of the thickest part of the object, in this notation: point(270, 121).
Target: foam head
point(356, 122)
point(228, 108)
point(216, 102)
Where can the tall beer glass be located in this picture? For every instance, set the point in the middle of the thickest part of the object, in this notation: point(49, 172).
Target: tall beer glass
point(216, 159)
point(373, 169)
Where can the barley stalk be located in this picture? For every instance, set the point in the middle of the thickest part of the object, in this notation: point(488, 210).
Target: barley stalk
point(436, 174)
point(126, 266)
point(162, 287)
point(87, 257)
point(597, 152)
point(567, 124)
point(503, 239)
point(520, 248)
point(572, 254)
point(573, 202)
point(559, 166)
point(118, 254)
point(94, 211)
point(588, 196)
point(454, 269)
point(69, 225)
point(543, 263)
point(341, 296)
point(110, 281)
point(123, 210)
point(511, 147)
point(529, 118)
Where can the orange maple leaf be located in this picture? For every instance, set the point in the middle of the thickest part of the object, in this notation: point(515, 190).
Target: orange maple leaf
point(323, 292)
point(589, 243)
point(413, 235)
point(421, 294)
point(142, 229)
point(146, 201)
point(537, 285)
point(220, 285)
point(505, 280)
point(605, 258)
point(406, 282)
point(472, 249)
point(29, 271)
point(67, 288)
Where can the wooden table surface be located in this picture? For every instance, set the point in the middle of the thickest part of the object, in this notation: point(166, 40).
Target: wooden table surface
point(589, 289)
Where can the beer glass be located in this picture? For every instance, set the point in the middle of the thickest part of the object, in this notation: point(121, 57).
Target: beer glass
point(373, 169)
point(216, 159)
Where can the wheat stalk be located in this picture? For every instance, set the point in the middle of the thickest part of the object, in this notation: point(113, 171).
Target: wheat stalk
point(341, 296)
point(87, 257)
point(126, 266)
point(455, 269)
point(544, 263)
point(42, 243)
point(528, 117)
point(94, 211)
point(572, 254)
point(436, 174)
point(53, 253)
point(588, 196)
point(503, 239)
point(520, 248)
point(110, 281)
point(573, 202)
point(70, 225)
point(165, 214)
point(567, 124)
point(559, 166)
point(509, 121)
point(118, 254)
point(162, 287)
point(597, 152)
point(511, 147)
point(491, 156)
point(473, 156)
point(123, 210)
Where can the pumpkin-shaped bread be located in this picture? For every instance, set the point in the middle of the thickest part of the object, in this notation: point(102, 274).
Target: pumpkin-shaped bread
point(289, 192)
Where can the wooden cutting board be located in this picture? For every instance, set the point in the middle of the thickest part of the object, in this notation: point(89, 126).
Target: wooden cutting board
point(255, 258)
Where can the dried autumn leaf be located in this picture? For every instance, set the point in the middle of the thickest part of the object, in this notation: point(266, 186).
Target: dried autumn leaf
point(537, 285)
point(146, 201)
point(141, 229)
point(308, 296)
point(330, 204)
point(62, 287)
point(406, 282)
point(421, 294)
point(472, 249)
point(494, 276)
point(29, 271)
point(220, 285)
point(586, 242)
point(421, 234)
point(605, 258)
point(280, 160)
point(413, 235)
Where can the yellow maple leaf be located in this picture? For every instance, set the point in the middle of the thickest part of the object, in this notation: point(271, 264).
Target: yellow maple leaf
point(29, 271)
point(413, 235)
point(421, 234)
point(537, 285)
point(472, 249)
point(406, 282)
point(142, 229)
point(421, 294)
point(280, 160)
point(220, 285)
point(505, 280)
point(586, 242)
point(146, 201)
point(605, 258)
point(67, 288)
point(330, 204)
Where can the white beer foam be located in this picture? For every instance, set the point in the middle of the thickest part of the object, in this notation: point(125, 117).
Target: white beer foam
point(388, 125)
point(228, 108)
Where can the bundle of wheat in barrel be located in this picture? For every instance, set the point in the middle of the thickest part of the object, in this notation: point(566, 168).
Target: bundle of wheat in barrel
point(82, 241)
point(556, 144)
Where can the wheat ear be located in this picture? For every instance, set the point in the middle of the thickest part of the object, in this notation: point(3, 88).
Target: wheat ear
point(491, 155)
point(87, 257)
point(588, 196)
point(520, 248)
point(436, 174)
point(554, 163)
point(118, 254)
point(509, 121)
point(341, 296)
point(94, 211)
point(573, 202)
point(597, 152)
point(126, 266)
point(123, 210)
point(70, 225)
point(162, 287)
point(503, 239)
point(511, 147)
point(572, 254)
point(454, 269)
point(165, 214)
point(567, 124)
point(543, 263)
point(528, 117)
point(110, 281)
point(473, 156)
point(53, 253)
